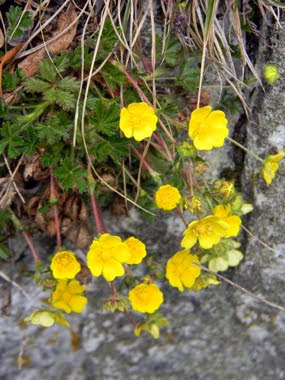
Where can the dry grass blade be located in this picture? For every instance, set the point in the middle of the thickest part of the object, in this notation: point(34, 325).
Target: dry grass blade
point(241, 288)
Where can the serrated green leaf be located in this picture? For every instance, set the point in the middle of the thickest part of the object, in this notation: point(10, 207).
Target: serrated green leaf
point(62, 61)
point(36, 85)
point(110, 148)
point(10, 81)
point(47, 71)
point(106, 118)
point(54, 129)
point(171, 54)
point(113, 76)
point(69, 84)
point(70, 176)
point(30, 141)
point(19, 21)
point(64, 99)
point(108, 40)
point(75, 60)
point(189, 75)
point(11, 141)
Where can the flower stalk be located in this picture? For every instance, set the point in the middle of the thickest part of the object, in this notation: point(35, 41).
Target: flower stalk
point(55, 210)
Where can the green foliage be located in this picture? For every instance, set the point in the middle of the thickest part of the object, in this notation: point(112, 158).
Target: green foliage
point(55, 91)
point(11, 140)
point(112, 75)
point(112, 148)
point(189, 75)
point(4, 252)
point(18, 22)
point(71, 176)
point(172, 52)
point(106, 119)
point(55, 129)
point(11, 81)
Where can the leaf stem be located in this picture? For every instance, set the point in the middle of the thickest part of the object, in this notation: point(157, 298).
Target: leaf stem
point(245, 149)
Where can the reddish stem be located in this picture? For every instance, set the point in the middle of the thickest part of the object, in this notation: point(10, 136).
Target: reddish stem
point(32, 248)
point(97, 216)
point(181, 216)
point(144, 162)
point(55, 211)
point(158, 139)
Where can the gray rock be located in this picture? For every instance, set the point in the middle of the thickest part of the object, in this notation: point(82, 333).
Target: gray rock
point(217, 334)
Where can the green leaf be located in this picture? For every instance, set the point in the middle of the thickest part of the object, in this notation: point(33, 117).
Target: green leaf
point(106, 118)
point(5, 218)
point(4, 252)
point(110, 148)
point(71, 176)
point(11, 140)
point(53, 154)
point(189, 75)
point(62, 61)
point(69, 84)
point(19, 21)
point(113, 76)
point(30, 141)
point(3, 109)
point(64, 99)
point(10, 81)
point(36, 85)
point(54, 129)
point(75, 60)
point(47, 71)
point(172, 52)
point(108, 40)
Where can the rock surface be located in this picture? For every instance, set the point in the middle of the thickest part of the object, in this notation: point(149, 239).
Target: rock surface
point(220, 333)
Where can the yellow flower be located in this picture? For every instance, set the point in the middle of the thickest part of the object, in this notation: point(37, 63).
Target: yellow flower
point(106, 256)
point(137, 250)
point(64, 265)
point(233, 221)
point(270, 166)
point(67, 296)
point(271, 73)
point(208, 231)
point(180, 270)
point(167, 197)
point(208, 128)
point(146, 298)
point(138, 121)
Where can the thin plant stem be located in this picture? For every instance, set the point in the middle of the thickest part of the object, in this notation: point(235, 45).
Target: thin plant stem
point(144, 162)
point(32, 247)
point(181, 216)
point(245, 149)
point(237, 286)
point(97, 216)
point(55, 210)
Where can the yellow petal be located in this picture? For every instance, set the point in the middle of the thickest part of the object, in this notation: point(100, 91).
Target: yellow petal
point(77, 303)
point(112, 269)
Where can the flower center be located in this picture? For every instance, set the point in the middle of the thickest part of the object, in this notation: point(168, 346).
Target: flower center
point(106, 255)
point(64, 260)
point(135, 120)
